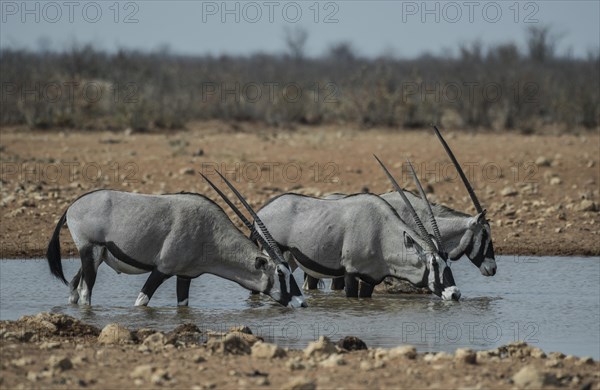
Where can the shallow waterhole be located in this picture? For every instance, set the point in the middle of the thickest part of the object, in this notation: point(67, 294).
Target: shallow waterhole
point(549, 302)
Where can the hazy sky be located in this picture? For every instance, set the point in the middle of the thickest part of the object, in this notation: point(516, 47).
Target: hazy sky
point(402, 28)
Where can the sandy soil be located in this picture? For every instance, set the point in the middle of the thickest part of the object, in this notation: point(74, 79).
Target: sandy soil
point(57, 351)
point(541, 192)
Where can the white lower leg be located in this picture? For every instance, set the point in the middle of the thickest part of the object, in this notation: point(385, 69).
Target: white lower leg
point(142, 300)
point(85, 296)
point(74, 296)
point(183, 303)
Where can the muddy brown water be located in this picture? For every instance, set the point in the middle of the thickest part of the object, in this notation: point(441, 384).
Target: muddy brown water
point(549, 302)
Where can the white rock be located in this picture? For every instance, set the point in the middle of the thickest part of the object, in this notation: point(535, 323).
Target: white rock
point(321, 347)
point(114, 334)
point(262, 350)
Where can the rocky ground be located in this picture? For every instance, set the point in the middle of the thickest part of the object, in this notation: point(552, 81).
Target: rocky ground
point(57, 351)
point(541, 191)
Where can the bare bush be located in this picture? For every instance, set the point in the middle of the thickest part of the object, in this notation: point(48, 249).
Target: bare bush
point(493, 87)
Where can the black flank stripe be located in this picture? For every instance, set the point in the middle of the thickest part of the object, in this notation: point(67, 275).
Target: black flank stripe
point(121, 256)
point(314, 266)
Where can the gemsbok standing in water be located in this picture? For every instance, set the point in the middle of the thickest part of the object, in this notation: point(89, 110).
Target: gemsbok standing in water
point(462, 233)
point(183, 234)
point(359, 237)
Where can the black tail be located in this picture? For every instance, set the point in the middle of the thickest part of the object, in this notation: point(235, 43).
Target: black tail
point(53, 252)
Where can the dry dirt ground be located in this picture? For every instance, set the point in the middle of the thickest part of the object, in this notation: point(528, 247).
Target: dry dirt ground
point(56, 351)
point(541, 191)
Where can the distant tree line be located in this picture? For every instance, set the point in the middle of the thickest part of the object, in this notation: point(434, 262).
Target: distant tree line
point(494, 87)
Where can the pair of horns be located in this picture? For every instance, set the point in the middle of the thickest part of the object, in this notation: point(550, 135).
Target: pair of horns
point(413, 213)
point(267, 242)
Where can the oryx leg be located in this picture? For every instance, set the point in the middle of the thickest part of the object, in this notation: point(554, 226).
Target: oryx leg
point(155, 279)
point(351, 285)
point(89, 266)
point(337, 284)
point(310, 282)
point(183, 290)
point(365, 290)
point(73, 293)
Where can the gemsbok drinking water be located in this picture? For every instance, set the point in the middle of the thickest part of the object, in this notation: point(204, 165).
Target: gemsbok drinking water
point(183, 234)
point(463, 234)
point(359, 237)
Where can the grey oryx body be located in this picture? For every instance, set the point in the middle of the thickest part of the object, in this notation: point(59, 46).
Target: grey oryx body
point(359, 236)
point(461, 233)
point(183, 234)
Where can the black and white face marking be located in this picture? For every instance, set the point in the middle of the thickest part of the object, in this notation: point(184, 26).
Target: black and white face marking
point(441, 281)
point(481, 250)
point(284, 289)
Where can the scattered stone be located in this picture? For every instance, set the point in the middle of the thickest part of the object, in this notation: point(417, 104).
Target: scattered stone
point(198, 153)
point(114, 334)
point(555, 181)
point(351, 343)
point(465, 355)
point(142, 371)
point(405, 351)
point(586, 360)
point(586, 205)
point(300, 383)
point(199, 359)
point(187, 171)
point(262, 381)
point(46, 324)
point(543, 162)
point(50, 345)
point(333, 361)
point(240, 329)
point(553, 363)
point(247, 337)
point(184, 338)
point(320, 348)
point(32, 376)
point(160, 376)
point(79, 359)
point(61, 363)
point(509, 191)
point(530, 377)
point(368, 366)
point(436, 357)
point(295, 364)
point(230, 344)
point(155, 342)
point(22, 362)
point(262, 350)
point(537, 353)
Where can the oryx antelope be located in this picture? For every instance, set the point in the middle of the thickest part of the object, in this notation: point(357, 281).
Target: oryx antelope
point(462, 233)
point(183, 234)
point(358, 237)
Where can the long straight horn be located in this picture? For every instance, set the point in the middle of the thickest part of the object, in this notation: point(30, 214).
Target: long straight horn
point(230, 203)
point(248, 224)
point(436, 230)
point(460, 171)
point(412, 211)
point(260, 223)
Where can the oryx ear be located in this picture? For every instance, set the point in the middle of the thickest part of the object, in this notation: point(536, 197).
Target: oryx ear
point(260, 262)
point(473, 221)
